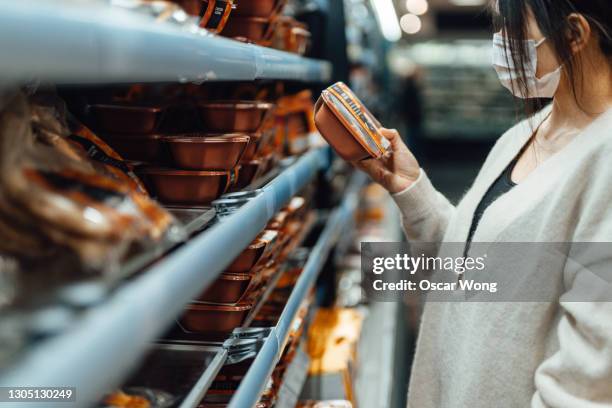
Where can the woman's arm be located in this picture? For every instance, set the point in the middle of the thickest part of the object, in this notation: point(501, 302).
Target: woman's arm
point(425, 211)
point(579, 374)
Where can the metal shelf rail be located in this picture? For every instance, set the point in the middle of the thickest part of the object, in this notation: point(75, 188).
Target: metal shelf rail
point(195, 396)
point(112, 337)
point(72, 42)
point(203, 384)
point(253, 384)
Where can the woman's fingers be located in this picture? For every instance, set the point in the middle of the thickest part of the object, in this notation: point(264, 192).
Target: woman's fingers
point(376, 169)
point(396, 169)
point(393, 137)
point(368, 165)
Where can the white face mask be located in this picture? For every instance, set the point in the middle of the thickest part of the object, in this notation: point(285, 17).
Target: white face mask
point(544, 87)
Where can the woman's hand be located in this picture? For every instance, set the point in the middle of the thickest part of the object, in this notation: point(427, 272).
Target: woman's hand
point(396, 170)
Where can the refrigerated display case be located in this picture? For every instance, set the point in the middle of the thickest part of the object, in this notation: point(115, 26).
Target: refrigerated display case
point(138, 330)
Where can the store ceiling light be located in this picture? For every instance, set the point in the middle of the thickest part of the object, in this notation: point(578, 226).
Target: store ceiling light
point(387, 19)
point(417, 7)
point(468, 2)
point(410, 23)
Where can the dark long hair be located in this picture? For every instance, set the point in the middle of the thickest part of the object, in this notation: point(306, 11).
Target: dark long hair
point(511, 16)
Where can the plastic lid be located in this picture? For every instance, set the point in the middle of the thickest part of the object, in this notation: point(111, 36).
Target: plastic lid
point(356, 118)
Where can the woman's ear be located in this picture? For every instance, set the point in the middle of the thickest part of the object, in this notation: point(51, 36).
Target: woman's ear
point(579, 32)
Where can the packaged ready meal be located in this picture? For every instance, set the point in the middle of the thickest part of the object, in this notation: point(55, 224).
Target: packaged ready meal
point(348, 126)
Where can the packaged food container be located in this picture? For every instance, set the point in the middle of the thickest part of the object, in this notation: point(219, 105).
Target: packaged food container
point(297, 136)
point(297, 123)
point(249, 172)
point(296, 208)
point(186, 187)
point(278, 221)
point(207, 152)
point(291, 35)
point(294, 265)
point(180, 117)
point(292, 233)
point(254, 29)
point(234, 116)
point(259, 8)
point(239, 91)
point(267, 140)
point(269, 162)
point(215, 14)
point(267, 272)
point(347, 125)
point(214, 318)
point(137, 147)
point(127, 118)
point(299, 40)
point(258, 251)
point(253, 147)
point(234, 174)
point(229, 288)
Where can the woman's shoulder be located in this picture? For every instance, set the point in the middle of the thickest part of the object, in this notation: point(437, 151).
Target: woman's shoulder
point(594, 144)
point(599, 134)
point(588, 177)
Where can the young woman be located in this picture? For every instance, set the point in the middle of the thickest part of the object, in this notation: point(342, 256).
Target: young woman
point(548, 179)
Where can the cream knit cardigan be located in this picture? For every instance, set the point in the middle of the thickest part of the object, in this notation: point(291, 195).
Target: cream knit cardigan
point(519, 354)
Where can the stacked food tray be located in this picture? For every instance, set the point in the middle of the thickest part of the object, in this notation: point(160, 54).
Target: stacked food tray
point(227, 303)
point(259, 22)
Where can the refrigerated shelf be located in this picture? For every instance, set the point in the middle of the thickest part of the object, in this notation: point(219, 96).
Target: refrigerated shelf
point(253, 384)
point(76, 42)
point(199, 389)
point(309, 222)
point(112, 337)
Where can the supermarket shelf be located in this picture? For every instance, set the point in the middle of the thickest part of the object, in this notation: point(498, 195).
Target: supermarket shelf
point(193, 219)
point(192, 400)
point(294, 379)
point(201, 387)
point(252, 385)
point(181, 336)
point(309, 223)
point(112, 337)
point(92, 42)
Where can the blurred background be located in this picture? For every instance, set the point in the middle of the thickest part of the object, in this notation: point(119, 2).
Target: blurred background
point(423, 66)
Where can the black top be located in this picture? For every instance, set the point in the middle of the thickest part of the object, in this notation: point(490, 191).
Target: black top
point(501, 186)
